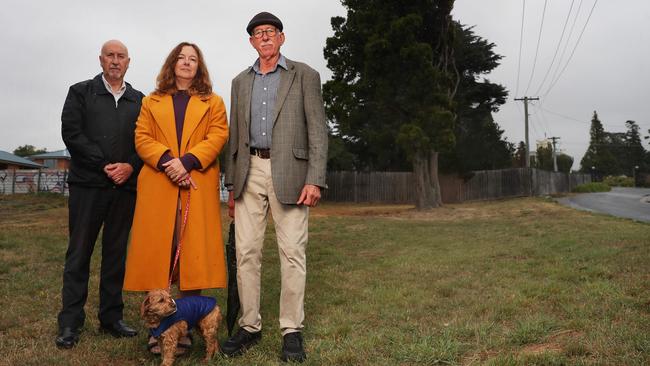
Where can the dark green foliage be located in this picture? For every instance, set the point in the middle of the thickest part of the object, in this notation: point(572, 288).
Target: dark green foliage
point(27, 150)
point(634, 156)
point(545, 159)
point(389, 98)
point(519, 156)
point(592, 187)
point(614, 153)
point(479, 140)
point(618, 181)
point(406, 82)
point(598, 159)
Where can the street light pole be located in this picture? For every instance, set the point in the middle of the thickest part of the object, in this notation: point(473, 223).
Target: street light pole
point(634, 175)
point(593, 173)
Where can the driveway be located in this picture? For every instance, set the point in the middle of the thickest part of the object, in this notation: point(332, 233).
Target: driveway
point(631, 203)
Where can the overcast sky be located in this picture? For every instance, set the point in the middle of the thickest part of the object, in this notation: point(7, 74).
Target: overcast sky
point(49, 45)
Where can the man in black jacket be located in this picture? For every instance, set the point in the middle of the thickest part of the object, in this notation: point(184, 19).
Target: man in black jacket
point(98, 124)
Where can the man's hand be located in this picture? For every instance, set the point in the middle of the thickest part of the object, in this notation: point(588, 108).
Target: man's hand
point(231, 204)
point(309, 196)
point(119, 173)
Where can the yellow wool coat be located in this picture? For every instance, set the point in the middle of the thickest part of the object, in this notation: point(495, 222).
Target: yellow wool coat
point(205, 132)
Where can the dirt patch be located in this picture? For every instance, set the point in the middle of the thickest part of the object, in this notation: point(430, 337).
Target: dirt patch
point(479, 358)
point(556, 343)
point(560, 342)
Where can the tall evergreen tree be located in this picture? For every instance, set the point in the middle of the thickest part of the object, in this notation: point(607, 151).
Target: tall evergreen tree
point(635, 152)
point(480, 143)
point(394, 80)
point(598, 159)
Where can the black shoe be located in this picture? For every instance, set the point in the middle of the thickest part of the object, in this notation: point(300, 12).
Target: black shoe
point(292, 348)
point(240, 342)
point(68, 337)
point(118, 329)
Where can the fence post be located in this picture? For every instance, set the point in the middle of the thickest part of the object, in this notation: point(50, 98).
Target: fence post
point(65, 179)
point(354, 192)
point(13, 182)
point(38, 181)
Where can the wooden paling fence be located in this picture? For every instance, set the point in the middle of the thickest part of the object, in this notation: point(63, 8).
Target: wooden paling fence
point(33, 181)
point(379, 187)
point(397, 187)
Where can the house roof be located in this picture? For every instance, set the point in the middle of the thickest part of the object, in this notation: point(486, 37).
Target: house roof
point(8, 158)
point(59, 154)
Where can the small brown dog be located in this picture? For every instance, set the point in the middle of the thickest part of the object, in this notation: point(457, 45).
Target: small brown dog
point(170, 319)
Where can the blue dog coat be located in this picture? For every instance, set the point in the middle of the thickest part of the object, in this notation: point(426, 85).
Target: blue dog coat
point(191, 309)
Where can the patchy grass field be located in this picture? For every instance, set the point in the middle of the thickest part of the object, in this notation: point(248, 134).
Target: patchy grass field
point(514, 282)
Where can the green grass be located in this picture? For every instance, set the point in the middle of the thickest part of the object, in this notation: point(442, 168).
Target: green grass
point(512, 282)
point(592, 187)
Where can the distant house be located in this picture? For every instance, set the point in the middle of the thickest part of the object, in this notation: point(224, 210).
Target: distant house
point(10, 161)
point(53, 160)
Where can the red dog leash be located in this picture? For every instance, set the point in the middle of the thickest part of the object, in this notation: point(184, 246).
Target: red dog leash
point(180, 240)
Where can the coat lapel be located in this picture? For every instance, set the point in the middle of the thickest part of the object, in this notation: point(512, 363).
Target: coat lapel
point(247, 84)
point(196, 109)
point(163, 115)
point(286, 79)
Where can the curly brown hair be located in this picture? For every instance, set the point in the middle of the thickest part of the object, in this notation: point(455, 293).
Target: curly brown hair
point(166, 80)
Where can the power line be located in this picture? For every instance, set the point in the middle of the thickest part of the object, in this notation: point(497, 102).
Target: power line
point(578, 120)
point(568, 39)
point(557, 48)
point(542, 119)
point(536, 120)
point(539, 38)
point(521, 39)
point(574, 48)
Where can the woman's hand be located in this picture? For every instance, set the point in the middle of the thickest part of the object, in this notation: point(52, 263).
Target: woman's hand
point(187, 183)
point(175, 170)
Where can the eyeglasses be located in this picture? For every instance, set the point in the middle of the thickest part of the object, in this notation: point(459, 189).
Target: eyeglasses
point(271, 32)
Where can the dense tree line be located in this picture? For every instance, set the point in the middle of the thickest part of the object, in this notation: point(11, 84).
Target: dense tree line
point(614, 153)
point(28, 150)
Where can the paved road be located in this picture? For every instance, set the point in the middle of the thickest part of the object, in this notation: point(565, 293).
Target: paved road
point(631, 203)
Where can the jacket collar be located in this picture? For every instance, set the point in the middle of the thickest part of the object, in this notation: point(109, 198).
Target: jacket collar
point(129, 93)
point(286, 79)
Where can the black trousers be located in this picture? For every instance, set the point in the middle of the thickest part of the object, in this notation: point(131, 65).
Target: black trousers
point(90, 209)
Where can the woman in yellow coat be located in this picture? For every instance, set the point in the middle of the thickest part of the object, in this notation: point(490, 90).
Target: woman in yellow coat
point(180, 132)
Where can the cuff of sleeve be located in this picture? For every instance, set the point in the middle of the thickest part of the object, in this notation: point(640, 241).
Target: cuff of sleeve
point(190, 162)
point(163, 159)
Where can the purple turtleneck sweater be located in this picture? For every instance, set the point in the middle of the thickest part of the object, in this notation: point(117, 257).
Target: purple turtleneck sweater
point(181, 99)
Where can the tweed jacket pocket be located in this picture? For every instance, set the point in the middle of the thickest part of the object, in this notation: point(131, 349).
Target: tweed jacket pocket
point(300, 153)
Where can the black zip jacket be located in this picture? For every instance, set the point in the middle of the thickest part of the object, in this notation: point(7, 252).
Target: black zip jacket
point(97, 133)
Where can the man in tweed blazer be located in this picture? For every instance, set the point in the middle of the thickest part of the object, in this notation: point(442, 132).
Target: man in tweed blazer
point(276, 160)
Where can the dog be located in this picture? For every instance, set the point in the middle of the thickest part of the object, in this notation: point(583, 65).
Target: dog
point(168, 320)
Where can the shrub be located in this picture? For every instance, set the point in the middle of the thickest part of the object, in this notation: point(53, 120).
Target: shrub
point(619, 181)
point(592, 187)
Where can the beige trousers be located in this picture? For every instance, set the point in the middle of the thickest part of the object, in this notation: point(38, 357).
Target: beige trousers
point(291, 222)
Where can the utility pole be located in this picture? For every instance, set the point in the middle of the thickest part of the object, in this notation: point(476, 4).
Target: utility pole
point(526, 99)
point(554, 154)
